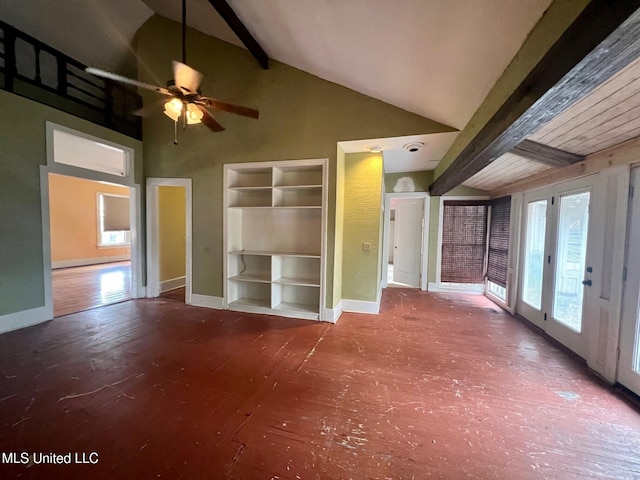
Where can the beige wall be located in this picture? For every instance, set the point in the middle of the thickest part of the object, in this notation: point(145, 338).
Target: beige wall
point(171, 232)
point(73, 208)
point(362, 223)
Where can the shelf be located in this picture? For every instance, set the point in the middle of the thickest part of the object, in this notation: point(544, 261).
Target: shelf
point(243, 277)
point(273, 253)
point(296, 187)
point(250, 188)
point(250, 302)
point(297, 308)
point(303, 282)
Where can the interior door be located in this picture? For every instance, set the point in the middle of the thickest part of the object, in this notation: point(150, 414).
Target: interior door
point(408, 241)
point(629, 359)
point(555, 261)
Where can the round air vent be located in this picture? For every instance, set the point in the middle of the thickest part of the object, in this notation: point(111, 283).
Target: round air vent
point(414, 146)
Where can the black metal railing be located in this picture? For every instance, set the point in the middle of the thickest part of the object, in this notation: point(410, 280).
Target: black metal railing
point(37, 71)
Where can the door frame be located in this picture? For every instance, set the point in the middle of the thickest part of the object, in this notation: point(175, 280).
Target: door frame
point(153, 270)
point(425, 234)
point(135, 206)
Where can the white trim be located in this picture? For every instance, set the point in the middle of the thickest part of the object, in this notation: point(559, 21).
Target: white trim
point(456, 288)
point(62, 169)
point(207, 301)
point(153, 272)
point(72, 171)
point(332, 314)
point(425, 234)
point(360, 306)
point(25, 318)
point(438, 285)
point(172, 284)
point(498, 301)
point(80, 262)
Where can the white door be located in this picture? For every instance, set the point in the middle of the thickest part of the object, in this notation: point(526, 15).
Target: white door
point(408, 241)
point(629, 360)
point(555, 269)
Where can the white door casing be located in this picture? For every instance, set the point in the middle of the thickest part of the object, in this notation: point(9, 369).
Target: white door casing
point(408, 241)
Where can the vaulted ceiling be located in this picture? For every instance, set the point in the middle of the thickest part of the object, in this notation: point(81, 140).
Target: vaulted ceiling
point(436, 58)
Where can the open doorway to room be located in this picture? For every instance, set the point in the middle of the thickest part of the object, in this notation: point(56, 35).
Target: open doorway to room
point(90, 207)
point(90, 243)
point(169, 238)
point(405, 240)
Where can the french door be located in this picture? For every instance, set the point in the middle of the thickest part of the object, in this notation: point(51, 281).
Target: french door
point(555, 264)
point(629, 359)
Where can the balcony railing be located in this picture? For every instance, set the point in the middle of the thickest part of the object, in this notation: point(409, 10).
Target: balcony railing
point(36, 71)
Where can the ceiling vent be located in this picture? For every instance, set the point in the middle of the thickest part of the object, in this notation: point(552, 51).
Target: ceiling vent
point(414, 146)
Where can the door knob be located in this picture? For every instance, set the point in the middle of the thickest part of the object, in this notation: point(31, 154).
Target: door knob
point(586, 282)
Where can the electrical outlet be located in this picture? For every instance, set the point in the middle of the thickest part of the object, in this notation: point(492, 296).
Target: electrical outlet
point(366, 246)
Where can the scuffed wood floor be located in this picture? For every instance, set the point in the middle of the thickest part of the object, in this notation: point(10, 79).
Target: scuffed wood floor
point(80, 288)
point(437, 386)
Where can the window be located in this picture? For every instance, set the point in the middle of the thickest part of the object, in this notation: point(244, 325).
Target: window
point(84, 153)
point(113, 216)
point(464, 241)
point(498, 253)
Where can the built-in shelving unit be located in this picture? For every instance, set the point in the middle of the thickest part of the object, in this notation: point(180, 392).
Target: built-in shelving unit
point(275, 224)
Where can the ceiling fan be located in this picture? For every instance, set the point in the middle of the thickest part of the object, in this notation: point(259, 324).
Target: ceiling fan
point(184, 100)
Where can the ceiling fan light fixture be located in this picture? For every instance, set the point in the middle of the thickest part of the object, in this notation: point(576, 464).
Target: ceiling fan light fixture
point(194, 114)
point(173, 108)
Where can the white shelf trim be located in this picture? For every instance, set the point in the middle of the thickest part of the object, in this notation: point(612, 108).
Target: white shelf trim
point(274, 253)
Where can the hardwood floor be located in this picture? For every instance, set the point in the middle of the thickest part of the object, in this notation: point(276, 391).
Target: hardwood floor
point(175, 294)
point(80, 288)
point(437, 385)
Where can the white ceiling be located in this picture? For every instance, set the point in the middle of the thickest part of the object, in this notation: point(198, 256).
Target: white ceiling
point(436, 58)
point(398, 159)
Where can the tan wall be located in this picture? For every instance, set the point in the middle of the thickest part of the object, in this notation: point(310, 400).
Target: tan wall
point(171, 232)
point(73, 208)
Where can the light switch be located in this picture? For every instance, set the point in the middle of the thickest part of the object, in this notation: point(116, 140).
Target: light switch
point(366, 246)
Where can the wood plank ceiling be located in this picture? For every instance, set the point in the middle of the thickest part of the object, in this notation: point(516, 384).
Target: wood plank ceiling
point(608, 116)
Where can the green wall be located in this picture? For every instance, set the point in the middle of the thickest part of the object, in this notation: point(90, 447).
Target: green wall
point(362, 223)
point(301, 116)
point(556, 19)
point(22, 151)
point(421, 180)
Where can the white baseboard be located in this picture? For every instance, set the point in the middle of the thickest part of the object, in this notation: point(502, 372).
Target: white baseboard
point(360, 306)
point(332, 314)
point(25, 318)
point(79, 262)
point(171, 284)
point(434, 287)
point(207, 301)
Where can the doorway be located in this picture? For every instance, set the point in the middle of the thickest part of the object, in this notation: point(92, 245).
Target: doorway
point(557, 259)
point(90, 243)
point(405, 240)
point(90, 216)
point(169, 227)
point(629, 359)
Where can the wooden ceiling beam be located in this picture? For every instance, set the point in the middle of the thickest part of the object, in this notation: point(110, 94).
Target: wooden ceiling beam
point(602, 40)
point(230, 17)
point(540, 153)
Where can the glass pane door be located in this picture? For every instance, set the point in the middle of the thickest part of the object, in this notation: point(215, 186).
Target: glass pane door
point(534, 253)
point(629, 359)
point(571, 250)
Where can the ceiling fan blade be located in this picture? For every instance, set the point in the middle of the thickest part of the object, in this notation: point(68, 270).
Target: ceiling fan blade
point(129, 81)
point(186, 78)
point(228, 107)
point(209, 121)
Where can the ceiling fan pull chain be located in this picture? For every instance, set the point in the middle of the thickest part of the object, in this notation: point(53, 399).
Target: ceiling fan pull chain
point(175, 132)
